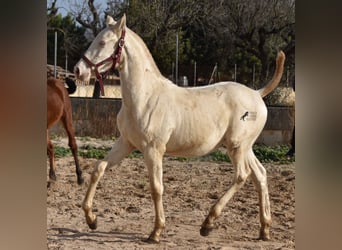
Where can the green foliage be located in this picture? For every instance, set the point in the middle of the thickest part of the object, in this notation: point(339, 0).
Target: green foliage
point(88, 151)
point(265, 154)
point(135, 154)
point(272, 154)
point(218, 156)
point(61, 152)
point(181, 159)
point(276, 154)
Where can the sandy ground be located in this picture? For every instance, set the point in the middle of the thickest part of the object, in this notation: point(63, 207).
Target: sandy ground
point(125, 211)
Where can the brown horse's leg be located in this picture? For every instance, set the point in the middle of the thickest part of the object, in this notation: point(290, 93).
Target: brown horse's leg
point(67, 122)
point(51, 153)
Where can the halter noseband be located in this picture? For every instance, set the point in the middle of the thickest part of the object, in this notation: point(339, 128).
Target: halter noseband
point(114, 58)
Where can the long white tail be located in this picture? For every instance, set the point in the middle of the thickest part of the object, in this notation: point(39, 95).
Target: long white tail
point(271, 85)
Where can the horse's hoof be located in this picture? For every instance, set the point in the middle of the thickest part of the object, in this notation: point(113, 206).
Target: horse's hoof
point(93, 225)
point(52, 177)
point(205, 231)
point(80, 181)
point(50, 183)
point(264, 237)
point(151, 240)
point(264, 233)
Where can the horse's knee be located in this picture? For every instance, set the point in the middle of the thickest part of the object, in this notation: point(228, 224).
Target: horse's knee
point(98, 171)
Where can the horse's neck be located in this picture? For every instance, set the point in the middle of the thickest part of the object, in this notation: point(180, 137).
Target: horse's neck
point(139, 75)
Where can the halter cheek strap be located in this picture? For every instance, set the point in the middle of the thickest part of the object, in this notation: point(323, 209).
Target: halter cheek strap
point(114, 58)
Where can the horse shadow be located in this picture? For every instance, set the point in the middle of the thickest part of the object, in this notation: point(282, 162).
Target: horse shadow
point(96, 236)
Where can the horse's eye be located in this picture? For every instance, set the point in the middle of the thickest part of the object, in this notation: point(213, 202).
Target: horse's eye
point(102, 43)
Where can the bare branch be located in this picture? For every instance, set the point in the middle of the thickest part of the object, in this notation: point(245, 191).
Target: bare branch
point(87, 14)
point(52, 10)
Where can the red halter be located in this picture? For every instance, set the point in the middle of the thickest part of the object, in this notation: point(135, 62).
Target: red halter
point(114, 58)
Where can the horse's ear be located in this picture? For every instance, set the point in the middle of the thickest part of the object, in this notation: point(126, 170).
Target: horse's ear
point(119, 25)
point(123, 21)
point(110, 20)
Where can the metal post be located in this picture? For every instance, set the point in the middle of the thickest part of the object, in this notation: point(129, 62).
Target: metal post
point(55, 63)
point(177, 58)
point(173, 71)
point(66, 64)
point(235, 66)
point(195, 69)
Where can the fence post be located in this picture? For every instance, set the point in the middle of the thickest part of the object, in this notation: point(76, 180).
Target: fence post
point(173, 71)
point(195, 69)
point(55, 62)
point(177, 58)
point(66, 64)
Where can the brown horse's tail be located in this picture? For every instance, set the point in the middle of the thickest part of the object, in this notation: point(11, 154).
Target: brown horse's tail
point(71, 85)
point(271, 85)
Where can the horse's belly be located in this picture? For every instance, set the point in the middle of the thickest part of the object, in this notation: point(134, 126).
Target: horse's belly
point(193, 147)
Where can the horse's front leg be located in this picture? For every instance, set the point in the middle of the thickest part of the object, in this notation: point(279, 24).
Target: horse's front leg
point(120, 150)
point(154, 157)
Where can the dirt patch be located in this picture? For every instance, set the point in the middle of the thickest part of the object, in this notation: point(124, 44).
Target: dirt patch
point(126, 215)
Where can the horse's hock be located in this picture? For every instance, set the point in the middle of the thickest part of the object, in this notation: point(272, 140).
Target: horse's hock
point(97, 118)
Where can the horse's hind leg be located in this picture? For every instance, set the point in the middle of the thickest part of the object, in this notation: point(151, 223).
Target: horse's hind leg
point(259, 178)
point(51, 153)
point(120, 149)
point(67, 123)
point(237, 156)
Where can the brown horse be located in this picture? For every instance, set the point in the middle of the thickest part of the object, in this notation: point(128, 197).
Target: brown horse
point(59, 109)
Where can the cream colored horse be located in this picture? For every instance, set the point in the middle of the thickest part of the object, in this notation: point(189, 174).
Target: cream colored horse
point(157, 117)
